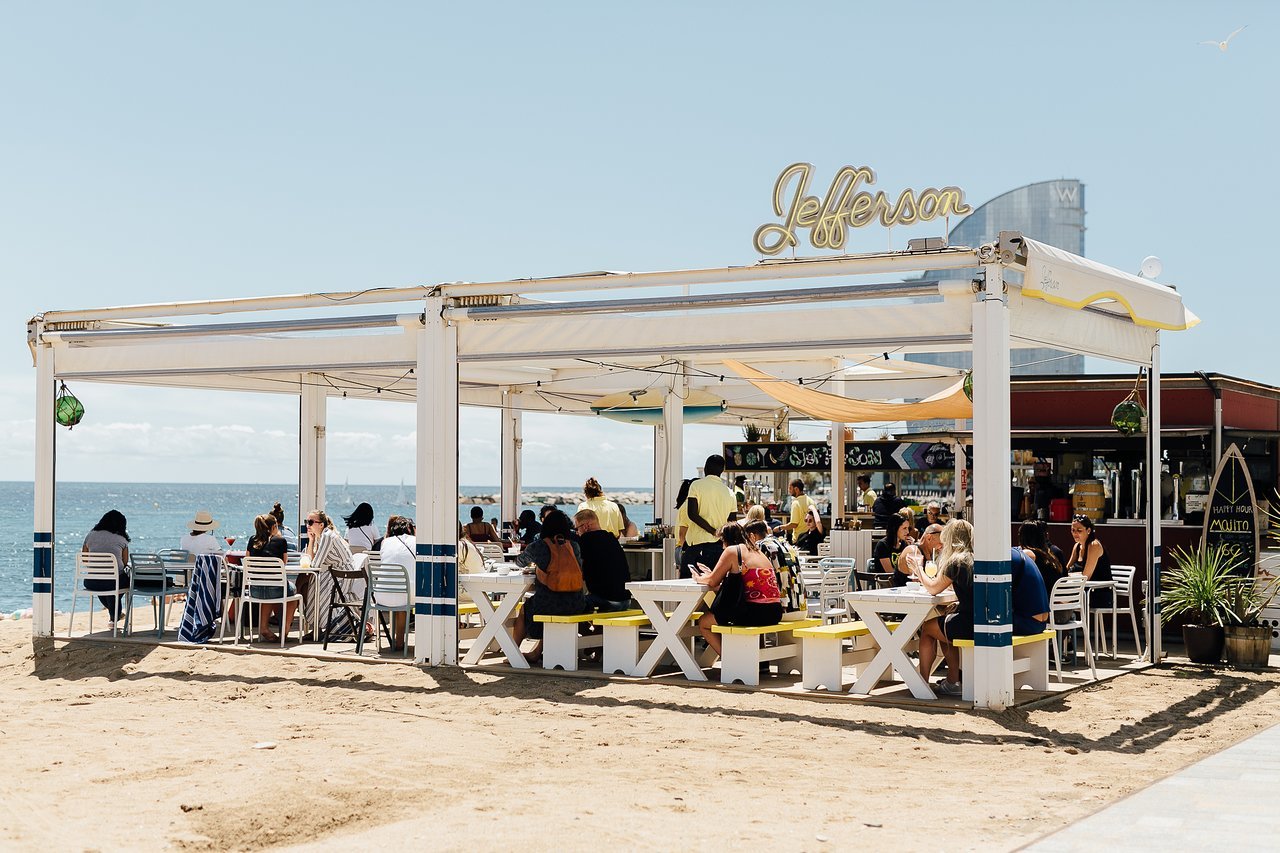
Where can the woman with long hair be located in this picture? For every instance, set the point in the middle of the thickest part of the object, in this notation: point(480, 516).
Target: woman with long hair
point(109, 536)
point(326, 551)
point(745, 584)
point(360, 530)
point(266, 541)
point(1090, 559)
point(399, 548)
point(1032, 542)
point(888, 551)
point(956, 572)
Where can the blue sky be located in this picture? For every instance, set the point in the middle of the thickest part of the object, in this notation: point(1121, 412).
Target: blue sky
point(159, 151)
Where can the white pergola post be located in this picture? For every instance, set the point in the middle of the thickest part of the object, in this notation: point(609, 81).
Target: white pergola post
point(512, 442)
point(992, 581)
point(436, 578)
point(1154, 620)
point(42, 544)
point(673, 442)
point(312, 416)
point(837, 471)
point(961, 464)
point(660, 497)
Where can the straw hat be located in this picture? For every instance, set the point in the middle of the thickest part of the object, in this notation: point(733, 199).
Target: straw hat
point(203, 521)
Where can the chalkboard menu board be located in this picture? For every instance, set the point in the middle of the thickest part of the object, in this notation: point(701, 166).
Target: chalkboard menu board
point(859, 456)
point(1231, 518)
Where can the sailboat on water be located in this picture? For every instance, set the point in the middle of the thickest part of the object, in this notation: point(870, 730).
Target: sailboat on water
point(401, 498)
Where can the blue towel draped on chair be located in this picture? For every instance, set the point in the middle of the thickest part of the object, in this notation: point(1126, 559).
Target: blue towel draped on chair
point(204, 599)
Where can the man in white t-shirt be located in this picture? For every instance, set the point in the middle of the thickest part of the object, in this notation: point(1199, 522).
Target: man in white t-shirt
point(709, 504)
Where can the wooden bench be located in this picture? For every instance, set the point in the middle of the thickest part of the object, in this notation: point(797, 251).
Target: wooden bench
point(562, 642)
point(623, 645)
point(1030, 662)
point(741, 653)
point(823, 655)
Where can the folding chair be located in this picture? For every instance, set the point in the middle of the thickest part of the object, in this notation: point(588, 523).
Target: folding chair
point(352, 605)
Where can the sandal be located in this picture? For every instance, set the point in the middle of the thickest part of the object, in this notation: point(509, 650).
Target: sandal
point(268, 637)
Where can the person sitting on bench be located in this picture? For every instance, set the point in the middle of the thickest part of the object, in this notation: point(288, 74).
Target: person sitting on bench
point(745, 584)
point(956, 571)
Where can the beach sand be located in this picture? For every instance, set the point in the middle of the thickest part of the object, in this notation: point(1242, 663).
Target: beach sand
point(115, 747)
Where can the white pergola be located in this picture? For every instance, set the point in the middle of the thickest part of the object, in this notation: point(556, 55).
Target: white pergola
point(504, 345)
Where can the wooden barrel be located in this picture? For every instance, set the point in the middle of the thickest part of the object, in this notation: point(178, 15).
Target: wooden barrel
point(1088, 499)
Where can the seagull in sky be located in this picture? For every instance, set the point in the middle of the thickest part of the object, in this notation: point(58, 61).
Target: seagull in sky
point(1222, 45)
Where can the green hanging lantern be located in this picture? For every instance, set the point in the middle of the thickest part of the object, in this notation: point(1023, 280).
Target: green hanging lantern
point(968, 385)
point(1127, 416)
point(67, 409)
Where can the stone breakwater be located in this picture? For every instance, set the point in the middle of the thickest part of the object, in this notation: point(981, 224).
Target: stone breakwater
point(559, 498)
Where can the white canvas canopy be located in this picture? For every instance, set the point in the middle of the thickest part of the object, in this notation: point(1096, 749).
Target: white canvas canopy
point(503, 344)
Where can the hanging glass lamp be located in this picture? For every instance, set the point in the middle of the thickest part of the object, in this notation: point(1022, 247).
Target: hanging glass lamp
point(67, 409)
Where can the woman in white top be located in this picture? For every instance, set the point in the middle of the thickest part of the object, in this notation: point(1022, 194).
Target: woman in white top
point(201, 539)
point(361, 534)
point(399, 548)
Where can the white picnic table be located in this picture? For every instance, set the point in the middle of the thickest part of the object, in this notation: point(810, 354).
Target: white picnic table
point(511, 584)
point(915, 606)
point(672, 631)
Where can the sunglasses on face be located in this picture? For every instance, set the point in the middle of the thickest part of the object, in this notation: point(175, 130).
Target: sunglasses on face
point(311, 521)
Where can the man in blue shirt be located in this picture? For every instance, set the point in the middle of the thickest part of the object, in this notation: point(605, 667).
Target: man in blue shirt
point(1030, 600)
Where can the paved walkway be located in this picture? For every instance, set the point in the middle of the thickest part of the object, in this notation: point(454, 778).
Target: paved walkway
point(1225, 802)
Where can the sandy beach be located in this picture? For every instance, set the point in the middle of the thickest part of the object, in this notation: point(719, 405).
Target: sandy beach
point(115, 747)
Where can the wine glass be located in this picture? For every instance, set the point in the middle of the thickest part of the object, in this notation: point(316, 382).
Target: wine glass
point(231, 540)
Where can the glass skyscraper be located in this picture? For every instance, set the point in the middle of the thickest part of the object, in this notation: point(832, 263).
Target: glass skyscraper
point(1051, 212)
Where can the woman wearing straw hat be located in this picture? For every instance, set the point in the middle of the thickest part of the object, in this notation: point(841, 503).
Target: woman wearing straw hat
point(201, 539)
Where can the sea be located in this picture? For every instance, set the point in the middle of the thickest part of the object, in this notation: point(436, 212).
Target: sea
point(158, 514)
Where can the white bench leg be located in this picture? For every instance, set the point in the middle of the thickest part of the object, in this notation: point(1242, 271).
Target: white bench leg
point(1038, 672)
point(967, 673)
point(740, 659)
point(560, 646)
point(821, 664)
point(621, 649)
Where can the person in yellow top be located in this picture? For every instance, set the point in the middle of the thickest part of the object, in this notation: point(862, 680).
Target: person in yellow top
point(709, 504)
point(799, 523)
point(607, 512)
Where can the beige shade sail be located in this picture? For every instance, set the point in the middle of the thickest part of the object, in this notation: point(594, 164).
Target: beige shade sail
point(950, 403)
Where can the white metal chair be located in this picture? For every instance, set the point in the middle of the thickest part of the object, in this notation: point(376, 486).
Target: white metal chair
point(268, 575)
point(848, 564)
point(390, 582)
point(1123, 576)
point(832, 606)
point(149, 577)
point(491, 551)
point(97, 567)
point(1066, 609)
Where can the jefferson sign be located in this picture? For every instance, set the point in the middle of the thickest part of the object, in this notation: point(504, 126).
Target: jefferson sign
point(845, 206)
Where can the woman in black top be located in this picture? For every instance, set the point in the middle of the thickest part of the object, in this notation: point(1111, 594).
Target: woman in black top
point(528, 527)
point(890, 548)
point(267, 542)
point(1032, 541)
point(1090, 558)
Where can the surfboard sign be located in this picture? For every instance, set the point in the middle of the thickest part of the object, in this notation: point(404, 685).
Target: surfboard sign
point(1231, 519)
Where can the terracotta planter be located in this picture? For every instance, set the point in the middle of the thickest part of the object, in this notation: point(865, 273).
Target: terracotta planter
point(1248, 647)
point(1204, 642)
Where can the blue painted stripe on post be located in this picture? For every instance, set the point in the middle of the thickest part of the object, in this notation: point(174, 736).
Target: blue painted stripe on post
point(43, 537)
point(450, 610)
point(441, 580)
point(43, 587)
point(422, 608)
point(993, 600)
point(422, 579)
point(42, 562)
point(997, 637)
point(443, 550)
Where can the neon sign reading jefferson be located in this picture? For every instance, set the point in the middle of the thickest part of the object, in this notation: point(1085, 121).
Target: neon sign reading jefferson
point(846, 206)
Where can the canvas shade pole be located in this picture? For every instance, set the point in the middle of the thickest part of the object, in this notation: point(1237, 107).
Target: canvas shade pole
point(312, 417)
point(673, 431)
point(436, 577)
point(1153, 503)
point(512, 441)
point(42, 544)
point(961, 464)
point(992, 579)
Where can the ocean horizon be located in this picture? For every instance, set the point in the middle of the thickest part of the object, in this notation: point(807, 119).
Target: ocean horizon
point(158, 514)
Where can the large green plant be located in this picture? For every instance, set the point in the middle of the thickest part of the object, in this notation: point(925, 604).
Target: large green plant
point(1247, 597)
point(1201, 585)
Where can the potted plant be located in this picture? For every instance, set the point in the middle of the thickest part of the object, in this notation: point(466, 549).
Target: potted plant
point(1248, 641)
point(1199, 588)
point(751, 432)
